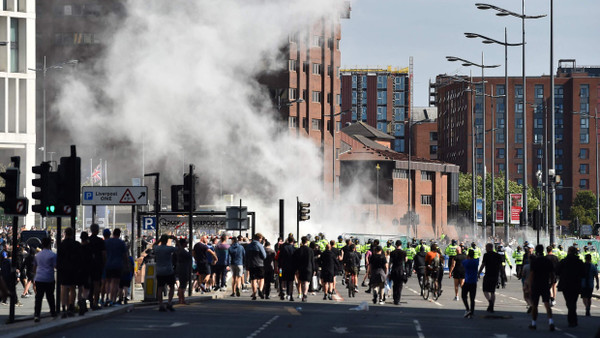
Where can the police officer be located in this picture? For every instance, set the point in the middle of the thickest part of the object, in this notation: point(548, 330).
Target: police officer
point(476, 250)
point(593, 253)
point(389, 247)
point(451, 252)
point(340, 243)
point(410, 255)
point(518, 257)
point(505, 260)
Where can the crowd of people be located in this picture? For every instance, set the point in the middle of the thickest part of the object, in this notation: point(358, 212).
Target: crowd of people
point(98, 270)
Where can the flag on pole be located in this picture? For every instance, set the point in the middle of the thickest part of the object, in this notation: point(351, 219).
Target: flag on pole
point(97, 174)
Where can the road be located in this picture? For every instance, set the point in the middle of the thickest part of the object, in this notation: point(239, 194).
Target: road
point(414, 317)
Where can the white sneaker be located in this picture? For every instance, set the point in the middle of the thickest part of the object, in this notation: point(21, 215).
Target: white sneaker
point(553, 303)
point(456, 298)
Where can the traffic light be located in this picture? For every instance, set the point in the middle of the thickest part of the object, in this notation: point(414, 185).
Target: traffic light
point(69, 178)
point(43, 170)
point(10, 190)
point(303, 211)
point(53, 191)
point(189, 192)
point(537, 219)
point(177, 198)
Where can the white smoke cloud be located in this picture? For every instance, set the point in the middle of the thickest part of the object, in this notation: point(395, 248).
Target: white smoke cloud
point(178, 79)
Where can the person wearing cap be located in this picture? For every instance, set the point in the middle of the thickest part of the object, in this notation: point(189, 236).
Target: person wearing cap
point(340, 243)
point(541, 272)
point(518, 257)
point(476, 250)
point(594, 254)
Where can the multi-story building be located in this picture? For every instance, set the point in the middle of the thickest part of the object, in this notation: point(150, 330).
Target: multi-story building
point(577, 101)
point(380, 98)
point(424, 132)
point(17, 89)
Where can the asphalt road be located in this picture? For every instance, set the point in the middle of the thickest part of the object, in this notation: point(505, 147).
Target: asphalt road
point(414, 317)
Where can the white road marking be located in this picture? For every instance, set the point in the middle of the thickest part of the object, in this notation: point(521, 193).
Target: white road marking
point(418, 328)
point(264, 326)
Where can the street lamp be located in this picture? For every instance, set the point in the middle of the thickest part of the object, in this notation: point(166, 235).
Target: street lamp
point(467, 63)
point(333, 149)
point(595, 117)
point(522, 16)
point(488, 40)
point(44, 70)
point(410, 211)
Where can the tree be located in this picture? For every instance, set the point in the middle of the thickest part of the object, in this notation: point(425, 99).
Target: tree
point(584, 207)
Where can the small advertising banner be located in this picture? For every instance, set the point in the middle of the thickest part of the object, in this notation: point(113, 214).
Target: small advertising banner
point(479, 209)
point(499, 212)
point(516, 206)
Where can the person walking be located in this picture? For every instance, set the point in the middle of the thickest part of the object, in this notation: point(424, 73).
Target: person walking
point(492, 263)
point(98, 251)
point(183, 269)
point(200, 252)
point(304, 262)
point(285, 263)
point(538, 282)
point(551, 256)
point(327, 261)
point(84, 279)
point(398, 273)
point(469, 287)
point(269, 264)
point(44, 265)
point(255, 257)
point(67, 264)
point(457, 271)
point(410, 256)
point(571, 271)
point(116, 257)
point(587, 284)
point(165, 275)
point(377, 274)
point(222, 265)
point(237, 254)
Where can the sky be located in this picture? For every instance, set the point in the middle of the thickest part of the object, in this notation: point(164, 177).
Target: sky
point(389, 32)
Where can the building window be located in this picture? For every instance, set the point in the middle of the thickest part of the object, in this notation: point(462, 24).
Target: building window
point(538, 123)
point(426, 199)
point(500, 137)
point(381, 113)
point(501, 167)
point(14, 45)
point(381, 82)
point(398, 99)
point(500, 153)
point(293, 122)
point(304, 123)
point(519, 168)
point(433, 136)
point(583, 184)
point(316, 97)
point(539, 91)
point(293, 65)
point(382, 126)
point(479, 152)
point(583, 153)
point(400, 173)
point(381, 97)
point(519, 152)
point(540, 153)
point(399, 115)
point(519, 138)
point(433, 150)
point(329, 71)
point(583, 168)
point(354, 81)
point(316, 68)
point(315, 124)
point(584, 138)
point(317, 41)
point(293, 93)
point(426, 175)
point(399, 83)
point(538, 138)
point(559, 168)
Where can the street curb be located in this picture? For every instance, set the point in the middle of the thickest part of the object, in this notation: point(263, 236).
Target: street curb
point(57, 325)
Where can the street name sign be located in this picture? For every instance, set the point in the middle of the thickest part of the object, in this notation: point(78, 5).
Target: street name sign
point(106, 195)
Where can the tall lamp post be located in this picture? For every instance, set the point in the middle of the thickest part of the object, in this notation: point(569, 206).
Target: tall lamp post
point(467, 63)
point(377, 167)
point(333, 131)
point(522, 16)
point(488, 40)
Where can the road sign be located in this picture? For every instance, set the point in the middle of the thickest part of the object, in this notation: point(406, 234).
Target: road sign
point(20, 208)
point(149, 223)
point(115, 195)
point(586, 230)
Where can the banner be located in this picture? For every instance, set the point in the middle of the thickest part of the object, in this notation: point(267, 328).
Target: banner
point(479, 210)
point(499, 212)
point(516, 206)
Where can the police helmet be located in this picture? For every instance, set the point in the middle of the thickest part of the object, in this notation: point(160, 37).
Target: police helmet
point(453, 242)
point(340, 237)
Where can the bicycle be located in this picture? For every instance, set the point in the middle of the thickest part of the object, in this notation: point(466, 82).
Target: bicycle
point(431, 288)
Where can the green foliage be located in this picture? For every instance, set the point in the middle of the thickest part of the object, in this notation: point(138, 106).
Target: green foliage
point(584, 207)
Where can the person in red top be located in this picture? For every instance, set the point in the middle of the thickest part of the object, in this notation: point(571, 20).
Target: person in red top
point(432, 260)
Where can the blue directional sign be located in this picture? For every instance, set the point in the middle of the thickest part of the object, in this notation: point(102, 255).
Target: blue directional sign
point(149, 223)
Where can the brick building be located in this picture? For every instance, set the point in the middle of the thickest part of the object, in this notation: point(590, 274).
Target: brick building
point(577, 100)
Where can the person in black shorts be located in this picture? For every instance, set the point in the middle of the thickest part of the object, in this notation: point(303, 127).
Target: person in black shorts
point(492, 262)
point(98, 252)
point(67, 264)
point(84, 280)
point(202, 268)
point(538, 282)
point(457, 271)
point(327, 263)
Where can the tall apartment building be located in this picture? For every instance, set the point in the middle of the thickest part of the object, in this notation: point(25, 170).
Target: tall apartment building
point(17, 89)
point(380, 98)
point(577, 101)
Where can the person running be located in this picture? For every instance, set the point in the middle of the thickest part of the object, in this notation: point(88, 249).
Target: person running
point(587, 285)
point(327, 263)
point(551, 256)
point(255, 257)
point(164, 271)
point(44, 265)
point(492, 263)
point(116, 256)
point(377, 274)
point(538, 282)
point(571, 271)
point(237, 254)
point(97, 262)
point(67, 263)
point(305, 267)
point(398, 272)
point(269, 270)
point(285, 263)
point(200, 252)
point(457, 271)
point(183, 269)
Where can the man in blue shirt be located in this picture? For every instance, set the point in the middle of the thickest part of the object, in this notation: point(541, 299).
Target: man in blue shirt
point(470, 285)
